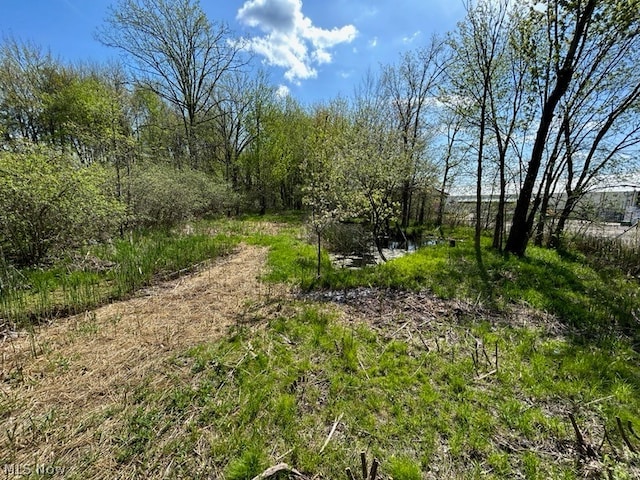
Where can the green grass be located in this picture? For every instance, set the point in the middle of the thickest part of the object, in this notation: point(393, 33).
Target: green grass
point(115, 271)
point(291, 259)
point(273, 394)
point(592, 302)
point(422, 399)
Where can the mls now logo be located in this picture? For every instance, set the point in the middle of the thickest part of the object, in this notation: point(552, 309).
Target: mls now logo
point(25, 469)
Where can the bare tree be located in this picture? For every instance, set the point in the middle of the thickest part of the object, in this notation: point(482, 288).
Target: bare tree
point(176, 52)
point(476, 48)
point(452, 158)
point(584, 70)
point(601, 126)
point(409, 86)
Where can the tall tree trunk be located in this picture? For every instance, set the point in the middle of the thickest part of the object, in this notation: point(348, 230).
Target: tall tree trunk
point(521, 226)
point(423, 201)
point(498, 230)
point(483, 123)
point(406, 203)
point(442, 195)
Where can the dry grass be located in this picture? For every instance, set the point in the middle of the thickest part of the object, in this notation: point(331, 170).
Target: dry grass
point(82, 367)
point(115, 393)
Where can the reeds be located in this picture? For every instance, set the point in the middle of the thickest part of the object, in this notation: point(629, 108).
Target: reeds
point(609, 252)
point(102, 274)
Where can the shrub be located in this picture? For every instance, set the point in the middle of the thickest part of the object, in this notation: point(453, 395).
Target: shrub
point(50, 204)
point(347, 238)
point(161, 195)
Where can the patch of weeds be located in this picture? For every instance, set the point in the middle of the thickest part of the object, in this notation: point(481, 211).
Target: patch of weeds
point(290, 259)
point(349, 352)
point(403, 468)
point(37, 294)
point(531, 466)
point(141, 431)
point(248, 465)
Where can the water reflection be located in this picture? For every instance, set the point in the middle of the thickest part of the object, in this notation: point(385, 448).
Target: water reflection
point(392, 248)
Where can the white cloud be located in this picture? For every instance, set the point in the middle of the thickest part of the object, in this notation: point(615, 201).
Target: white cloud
point(283, 91)
point(290, 39)
point(373, 43)
point(412, 38)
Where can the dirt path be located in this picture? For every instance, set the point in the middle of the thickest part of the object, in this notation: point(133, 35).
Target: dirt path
point(86, 364)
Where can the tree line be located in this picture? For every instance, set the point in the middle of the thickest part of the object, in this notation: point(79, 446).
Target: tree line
point(524, 98)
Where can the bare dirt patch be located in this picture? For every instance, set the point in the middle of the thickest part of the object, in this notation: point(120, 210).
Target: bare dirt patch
point(62, 378)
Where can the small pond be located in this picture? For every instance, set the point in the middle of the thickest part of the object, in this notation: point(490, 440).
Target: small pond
point(391, 249)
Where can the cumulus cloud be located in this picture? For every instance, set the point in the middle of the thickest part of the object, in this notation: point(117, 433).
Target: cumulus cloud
point(290, 39)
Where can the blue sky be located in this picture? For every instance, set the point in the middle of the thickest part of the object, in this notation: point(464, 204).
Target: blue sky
point(316, 49)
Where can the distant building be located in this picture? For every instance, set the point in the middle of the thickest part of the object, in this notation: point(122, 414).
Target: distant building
point(616, 201)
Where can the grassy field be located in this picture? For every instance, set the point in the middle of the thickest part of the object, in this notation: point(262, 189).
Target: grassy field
point(437, 364)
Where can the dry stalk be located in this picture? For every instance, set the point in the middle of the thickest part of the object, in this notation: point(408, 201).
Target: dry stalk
point(275, 470)
point(333, 430)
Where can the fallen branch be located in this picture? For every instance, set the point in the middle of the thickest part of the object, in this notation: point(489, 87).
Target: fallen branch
point(272, 471)
point(333, 429)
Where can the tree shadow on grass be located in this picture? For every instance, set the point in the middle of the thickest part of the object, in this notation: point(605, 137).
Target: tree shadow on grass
point(594, 309)
point(487, 287)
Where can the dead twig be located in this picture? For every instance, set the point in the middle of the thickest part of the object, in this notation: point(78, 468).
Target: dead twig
point(362, 367)
point(583, 447)
point(486, 355)
point(598, 400)
point(333, 430)
point(273, 471)
point(424, 342)
point(488, 374)
point(366, 474)
point(374, 469)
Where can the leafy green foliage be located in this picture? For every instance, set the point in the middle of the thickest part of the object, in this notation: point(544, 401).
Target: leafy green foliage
point(49, 205)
